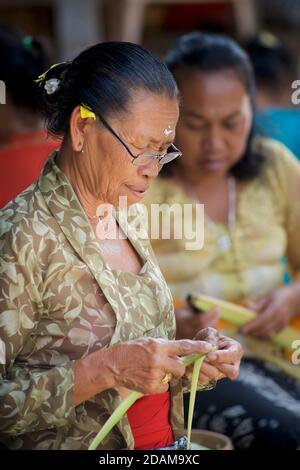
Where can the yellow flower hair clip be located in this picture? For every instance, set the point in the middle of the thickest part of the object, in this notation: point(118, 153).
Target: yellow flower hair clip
point(269, 40)
point(52, 84)
point(41, 78)
point(86, 112)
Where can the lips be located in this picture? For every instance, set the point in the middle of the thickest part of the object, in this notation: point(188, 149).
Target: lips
point(213, 164)
point(138, 191)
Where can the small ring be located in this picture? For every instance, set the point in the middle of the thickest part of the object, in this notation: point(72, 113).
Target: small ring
point(167, 378)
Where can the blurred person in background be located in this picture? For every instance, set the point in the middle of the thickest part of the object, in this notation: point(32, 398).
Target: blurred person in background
point(249, 186)
point(24, 145)
point(275, 72)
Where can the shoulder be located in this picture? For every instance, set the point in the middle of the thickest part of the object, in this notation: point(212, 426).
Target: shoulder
point(276, 154)
point(280, 163)
point(23, 221)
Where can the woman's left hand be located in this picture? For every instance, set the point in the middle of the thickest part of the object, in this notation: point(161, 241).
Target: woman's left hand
point(275, 310)
point(224, 362)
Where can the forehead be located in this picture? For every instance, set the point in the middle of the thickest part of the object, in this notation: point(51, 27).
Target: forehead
point(152, 113)
point(215, 93)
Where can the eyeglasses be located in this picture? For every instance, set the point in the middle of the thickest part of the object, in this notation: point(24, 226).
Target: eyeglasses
point(143, 159)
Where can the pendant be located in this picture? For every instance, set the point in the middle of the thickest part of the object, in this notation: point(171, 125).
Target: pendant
point(224, 242)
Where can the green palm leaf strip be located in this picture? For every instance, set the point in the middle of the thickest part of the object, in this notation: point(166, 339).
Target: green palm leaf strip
point(117, 415)
point(194, 383)
point(121, 410)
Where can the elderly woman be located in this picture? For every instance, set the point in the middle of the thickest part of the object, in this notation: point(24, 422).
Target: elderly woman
point(250, 190)
point(86, 316)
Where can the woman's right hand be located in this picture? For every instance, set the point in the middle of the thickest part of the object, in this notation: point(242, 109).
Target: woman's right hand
point(188, 323)
point(141, 364)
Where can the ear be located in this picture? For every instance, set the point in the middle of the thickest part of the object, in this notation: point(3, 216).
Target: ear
point(78, 128)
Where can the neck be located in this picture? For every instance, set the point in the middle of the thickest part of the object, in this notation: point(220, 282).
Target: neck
point(25, 121)
point(18, 121)
point(78, 177)
point(202, 180)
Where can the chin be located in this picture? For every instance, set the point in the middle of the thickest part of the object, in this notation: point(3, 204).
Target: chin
point(127, 199)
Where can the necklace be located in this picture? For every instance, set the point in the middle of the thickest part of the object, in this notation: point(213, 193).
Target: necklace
point(223, 239)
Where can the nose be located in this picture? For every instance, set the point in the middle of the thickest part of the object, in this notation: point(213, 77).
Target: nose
point(214, 140)
point(150, 170)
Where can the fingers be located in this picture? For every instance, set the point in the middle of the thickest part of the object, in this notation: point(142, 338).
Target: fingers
point(210, 371)
point(152, 388)
point(208, 334)
point(211, 317)
point(203, 379)
point(269, 329)
point(189, 322)
point(150, 382)
point(186, 347)
point(175, 366)
point(189, 370)
point(213, 312)
point(260, 304)
point(207, 319)
point(222, 363)
point(165, 355)
point(230, 371)
point(224, 342)
point(216, 372)
point(146, 381)
point(211, 374)
point(233, 353)
point(254, 326)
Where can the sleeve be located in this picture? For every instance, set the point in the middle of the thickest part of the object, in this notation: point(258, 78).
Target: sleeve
point(283, 175)
point(293, 218)
point(31, 398)
point(290, 172)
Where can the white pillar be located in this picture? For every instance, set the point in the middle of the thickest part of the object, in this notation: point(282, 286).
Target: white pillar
point(78, 25)
point(245, 18)
point(126, 20)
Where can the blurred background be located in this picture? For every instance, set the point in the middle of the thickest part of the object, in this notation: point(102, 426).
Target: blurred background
point(67, 26)
point(268, 29)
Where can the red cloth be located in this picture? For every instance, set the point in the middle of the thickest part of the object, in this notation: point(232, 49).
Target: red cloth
point(149, 421)
point(21, 161)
